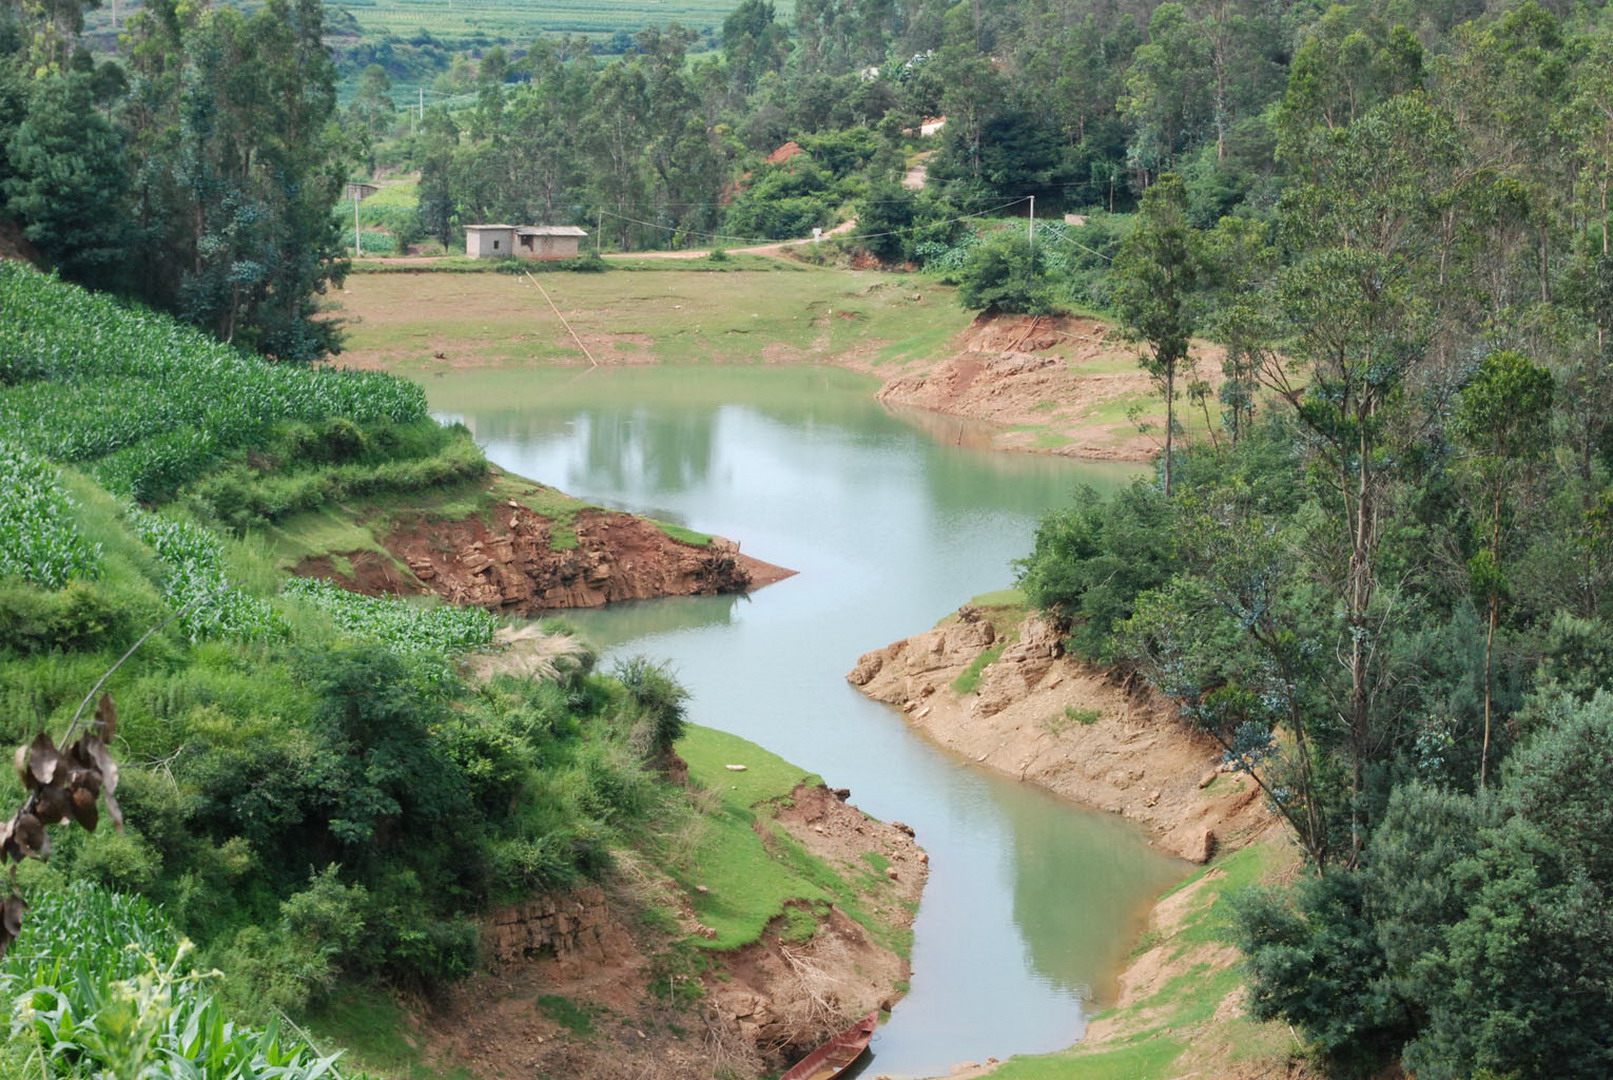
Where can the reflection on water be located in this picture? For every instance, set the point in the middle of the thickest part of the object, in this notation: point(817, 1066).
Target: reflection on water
point(1030, 901)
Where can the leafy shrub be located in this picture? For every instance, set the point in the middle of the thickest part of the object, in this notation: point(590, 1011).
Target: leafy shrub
point(657, 703)
point(1005, 273)
point(80, 616)
point(1091, 562)
point(97, 984)
point(783, 202)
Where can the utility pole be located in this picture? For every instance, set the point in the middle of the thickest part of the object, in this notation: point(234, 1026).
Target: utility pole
point(422, 90)
point(1030, 235)
point(358, 243)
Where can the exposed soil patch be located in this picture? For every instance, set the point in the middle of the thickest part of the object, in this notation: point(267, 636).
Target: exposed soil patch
point(579, 984)
point(1049, 719)
point(506, 560)
point(1049, 384)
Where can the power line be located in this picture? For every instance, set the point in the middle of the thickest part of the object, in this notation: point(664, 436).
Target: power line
point(759, 241)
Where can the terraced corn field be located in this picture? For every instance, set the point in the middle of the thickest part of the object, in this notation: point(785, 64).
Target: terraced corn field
point(145, 403)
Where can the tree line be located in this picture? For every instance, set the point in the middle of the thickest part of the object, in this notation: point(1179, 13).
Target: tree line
point(197, 169)
point(1381, 582)
point(194, 172)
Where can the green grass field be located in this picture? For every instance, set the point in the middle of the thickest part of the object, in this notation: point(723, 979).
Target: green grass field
point(521, 21)
point(678, 311)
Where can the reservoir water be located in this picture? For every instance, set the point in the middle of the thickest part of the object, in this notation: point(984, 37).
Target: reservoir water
point(892, 521)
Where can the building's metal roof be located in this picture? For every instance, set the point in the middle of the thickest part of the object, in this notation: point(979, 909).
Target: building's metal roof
point(550, 230)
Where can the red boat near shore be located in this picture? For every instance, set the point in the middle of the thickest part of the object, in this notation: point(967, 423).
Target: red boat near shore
point(835, 1056)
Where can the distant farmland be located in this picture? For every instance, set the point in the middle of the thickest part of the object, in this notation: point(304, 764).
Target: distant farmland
point(521, 20)
point(457, 21)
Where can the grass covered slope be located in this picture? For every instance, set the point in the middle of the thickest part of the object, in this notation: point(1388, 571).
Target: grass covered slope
point(668, 313)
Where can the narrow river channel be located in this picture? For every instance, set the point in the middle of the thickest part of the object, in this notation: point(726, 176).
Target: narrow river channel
point(893, 522)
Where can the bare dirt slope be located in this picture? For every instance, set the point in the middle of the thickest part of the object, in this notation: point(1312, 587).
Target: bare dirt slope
point(588, 987)
point(1049, 719)
point(1046, 718)
point(1047, 384)
point(508, 558)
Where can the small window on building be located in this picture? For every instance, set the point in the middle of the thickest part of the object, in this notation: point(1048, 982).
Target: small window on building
point(495, 245)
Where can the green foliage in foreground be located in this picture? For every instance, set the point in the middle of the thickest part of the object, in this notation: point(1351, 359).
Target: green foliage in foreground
point(100, 984)
point(327, 806)
point(1476, 936)
point(39, 539)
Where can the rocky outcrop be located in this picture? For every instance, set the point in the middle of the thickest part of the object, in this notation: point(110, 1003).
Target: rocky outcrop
point(575, 930)
point(1041, 716)
point(510, 560)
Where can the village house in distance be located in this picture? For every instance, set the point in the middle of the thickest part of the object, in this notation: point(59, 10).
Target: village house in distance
point(523, 241)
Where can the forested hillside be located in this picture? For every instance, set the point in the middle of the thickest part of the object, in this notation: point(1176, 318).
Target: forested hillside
point(1382, 585)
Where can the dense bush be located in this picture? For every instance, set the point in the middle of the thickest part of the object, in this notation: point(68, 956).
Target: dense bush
point(782, 202)
point(1005, 274)
point(1091, 562)
point(267, 486)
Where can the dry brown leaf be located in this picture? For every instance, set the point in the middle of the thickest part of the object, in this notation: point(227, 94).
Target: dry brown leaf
point(11, 910)
point(88, 779)
point(84, 811)
point(28, 832)
point(43, 758)
point(52, 803)
point(20, 761)
point(103, 761)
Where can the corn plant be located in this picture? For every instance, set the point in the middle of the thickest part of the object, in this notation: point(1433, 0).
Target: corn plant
point(408, 628)
point(39, 537)
point(100, 985)
point(149, 402)
point(195, 584)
